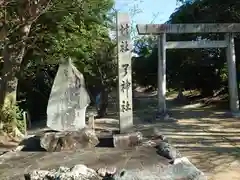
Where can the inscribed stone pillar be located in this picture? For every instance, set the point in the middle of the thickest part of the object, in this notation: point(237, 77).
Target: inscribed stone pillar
point(124, 72)
point(68, 100)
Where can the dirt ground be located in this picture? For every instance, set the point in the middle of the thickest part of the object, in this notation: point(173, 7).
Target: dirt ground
point(210, 142)
point(209, 138)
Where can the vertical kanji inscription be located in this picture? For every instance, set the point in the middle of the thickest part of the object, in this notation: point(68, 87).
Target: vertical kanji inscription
point(124, 72)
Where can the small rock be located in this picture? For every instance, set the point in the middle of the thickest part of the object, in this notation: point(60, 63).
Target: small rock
point(182, 170)
point(102, 172)
point(78, 172)
point(84, 171)
point(18, 148)
point(80, 168)
point(111, 170)
point(136, 174)
point(37, 175)
point(167, 150)
point(62, 141)
point(128, 140)
point(63, 169)
point(107, 171)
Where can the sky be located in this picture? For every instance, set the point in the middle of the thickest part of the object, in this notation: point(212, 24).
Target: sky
point(152, 11)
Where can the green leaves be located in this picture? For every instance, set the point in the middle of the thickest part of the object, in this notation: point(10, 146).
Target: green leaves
point(76, 29)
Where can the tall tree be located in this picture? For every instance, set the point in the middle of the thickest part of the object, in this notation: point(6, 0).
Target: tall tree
point(36, 34)
point(17, 18)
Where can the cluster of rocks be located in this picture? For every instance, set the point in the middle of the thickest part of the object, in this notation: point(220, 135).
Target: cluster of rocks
point(87, 138)
point(182, 169)
point(179, 167)
point(78, 172)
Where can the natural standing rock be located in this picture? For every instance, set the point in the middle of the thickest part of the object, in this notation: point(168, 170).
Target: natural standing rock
point(78, 172)
point(69, 91)
point(62, 141)
point(182, 169)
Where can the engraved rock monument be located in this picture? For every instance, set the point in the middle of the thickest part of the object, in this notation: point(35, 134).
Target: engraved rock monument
point(68, 99)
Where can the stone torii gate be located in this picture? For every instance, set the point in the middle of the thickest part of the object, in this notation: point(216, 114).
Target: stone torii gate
point(162, 29)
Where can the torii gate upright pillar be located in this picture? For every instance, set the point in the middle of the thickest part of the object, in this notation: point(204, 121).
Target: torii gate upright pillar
point(232, 77)
point(162, 74)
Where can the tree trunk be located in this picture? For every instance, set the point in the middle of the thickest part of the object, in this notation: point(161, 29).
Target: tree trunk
point(8, 81)
point(13, 54)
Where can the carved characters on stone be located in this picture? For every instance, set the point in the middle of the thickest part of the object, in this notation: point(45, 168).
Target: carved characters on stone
point(125, 68)
point(124, 47)
point(68, 99)
point(124, 72)
point(125, 86)
point(125, 106)
point(124, 29)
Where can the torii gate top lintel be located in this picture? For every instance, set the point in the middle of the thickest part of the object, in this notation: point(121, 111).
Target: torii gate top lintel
point(144, 29)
